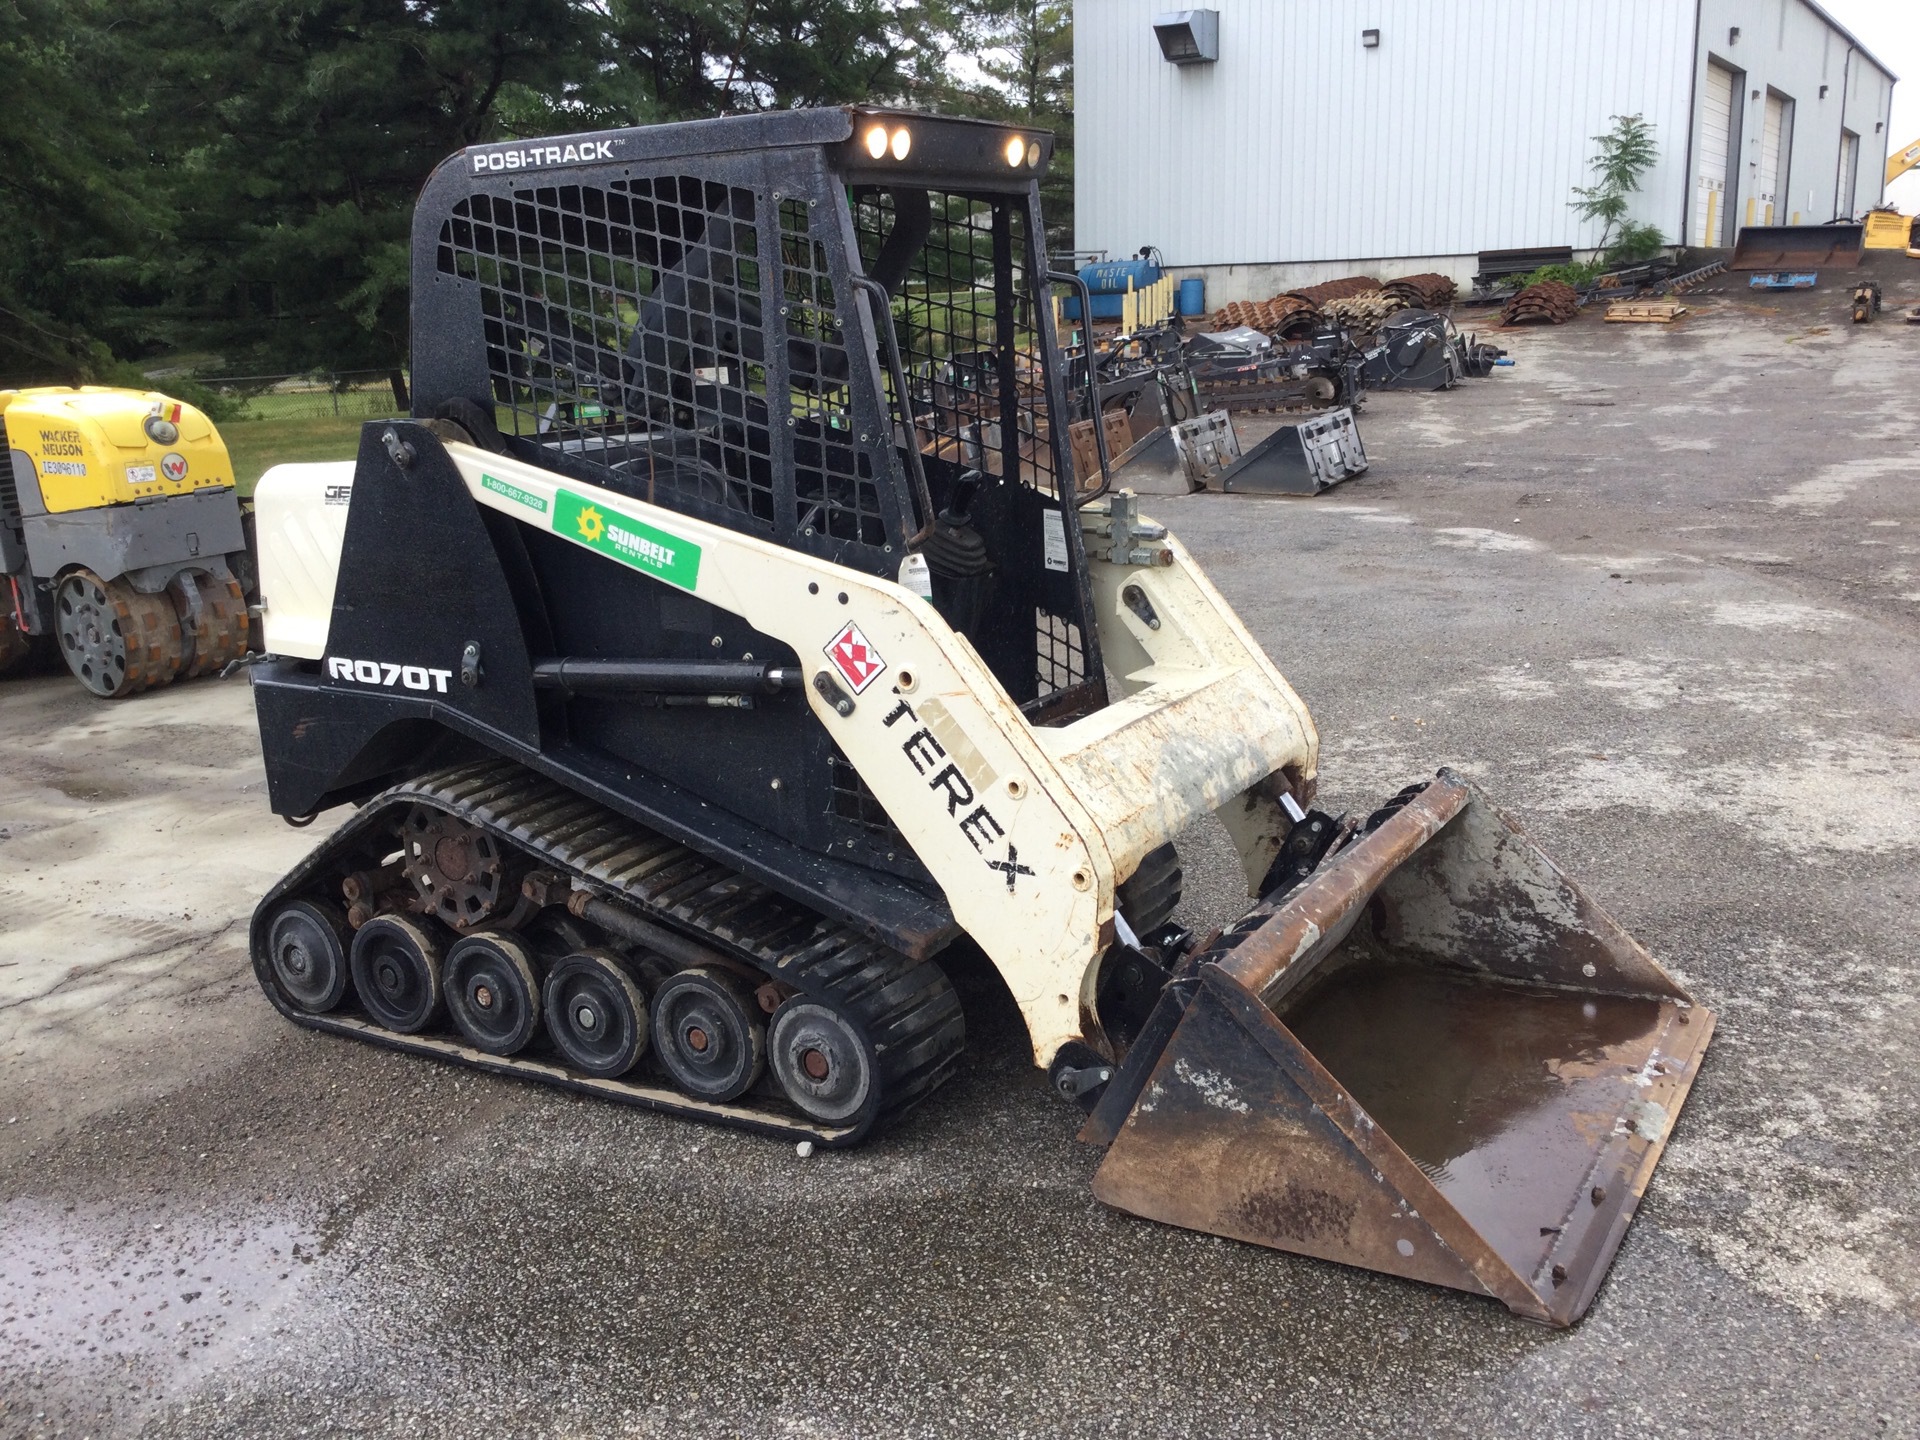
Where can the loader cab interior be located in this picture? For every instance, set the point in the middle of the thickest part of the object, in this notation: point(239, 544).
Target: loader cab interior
point(841, 342)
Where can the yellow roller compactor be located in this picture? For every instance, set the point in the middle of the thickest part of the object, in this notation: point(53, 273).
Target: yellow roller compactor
point(725, 644)
point(120, 537)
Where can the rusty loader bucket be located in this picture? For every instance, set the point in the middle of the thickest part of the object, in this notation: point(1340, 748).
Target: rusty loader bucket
point(1796, 247)
point(1436, 1058)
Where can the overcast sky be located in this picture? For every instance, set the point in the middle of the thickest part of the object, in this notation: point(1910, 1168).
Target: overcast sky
point(1891, 30)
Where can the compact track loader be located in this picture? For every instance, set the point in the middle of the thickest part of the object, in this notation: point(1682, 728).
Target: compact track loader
point(120, 537)
point(726, 640)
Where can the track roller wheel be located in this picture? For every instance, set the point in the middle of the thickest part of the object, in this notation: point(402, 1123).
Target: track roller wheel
point(492, 992)
point(821, 1061)
point(396, 972)
point(307, 946)
point(114, 639)
point(596, 1014)
point(708, 1033)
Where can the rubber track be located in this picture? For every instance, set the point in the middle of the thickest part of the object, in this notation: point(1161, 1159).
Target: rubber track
point(907, 1008)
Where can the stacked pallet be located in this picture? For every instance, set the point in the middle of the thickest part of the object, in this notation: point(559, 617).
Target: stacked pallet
point(1421, 292)
point(1549, 302)
point(1644, 312)
point(1283, 315)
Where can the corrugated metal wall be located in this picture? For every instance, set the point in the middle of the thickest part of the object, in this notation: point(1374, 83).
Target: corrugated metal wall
point(1786, 53)
point(1464, 131)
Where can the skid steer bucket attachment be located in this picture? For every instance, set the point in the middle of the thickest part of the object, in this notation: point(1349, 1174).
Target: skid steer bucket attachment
point(1796, 247)
point(1436, 1058)
point(1300, 459)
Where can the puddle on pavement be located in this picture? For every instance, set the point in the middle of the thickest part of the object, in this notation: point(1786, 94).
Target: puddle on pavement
point(84, 1285)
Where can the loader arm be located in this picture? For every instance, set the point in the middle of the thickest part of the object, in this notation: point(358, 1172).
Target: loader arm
point(1027, 830)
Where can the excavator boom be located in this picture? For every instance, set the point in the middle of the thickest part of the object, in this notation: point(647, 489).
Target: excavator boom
point(1901, 161)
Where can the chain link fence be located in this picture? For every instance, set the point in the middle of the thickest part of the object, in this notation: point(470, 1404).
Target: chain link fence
point(319, 395)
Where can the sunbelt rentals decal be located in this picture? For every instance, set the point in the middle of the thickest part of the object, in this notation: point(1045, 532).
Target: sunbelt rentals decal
point(632, 542)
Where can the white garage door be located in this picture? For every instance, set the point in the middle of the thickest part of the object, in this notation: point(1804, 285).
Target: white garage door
point(1772, 136)
point(1849, 173)
point(1710, 174)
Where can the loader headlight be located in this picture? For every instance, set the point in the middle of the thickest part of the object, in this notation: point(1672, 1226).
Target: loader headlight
point(877, 142)
point(161, 431)
point(1016, 150)
point(902, 143)
point(1033, 154)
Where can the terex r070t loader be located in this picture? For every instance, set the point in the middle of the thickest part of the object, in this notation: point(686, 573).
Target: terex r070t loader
point(726, 638)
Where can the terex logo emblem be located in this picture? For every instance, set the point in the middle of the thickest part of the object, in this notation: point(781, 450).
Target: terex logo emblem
point(385, 673)
point(855, 658)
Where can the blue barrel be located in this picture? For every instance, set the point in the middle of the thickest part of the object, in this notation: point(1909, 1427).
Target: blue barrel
point(1193, 296)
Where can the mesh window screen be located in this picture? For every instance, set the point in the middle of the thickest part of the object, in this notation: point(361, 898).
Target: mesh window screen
point(852, 800)
point(631, 327)
point(964, 309)
point(965, 317)
point(1059, 655)
point(834, 490)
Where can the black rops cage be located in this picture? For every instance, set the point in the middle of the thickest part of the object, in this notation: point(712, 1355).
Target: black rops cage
point(797, 325)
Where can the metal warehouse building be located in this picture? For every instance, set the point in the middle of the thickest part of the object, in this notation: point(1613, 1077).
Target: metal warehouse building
point(1270, 143)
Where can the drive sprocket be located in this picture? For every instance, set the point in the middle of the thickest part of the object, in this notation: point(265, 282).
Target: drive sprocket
point(458, 871)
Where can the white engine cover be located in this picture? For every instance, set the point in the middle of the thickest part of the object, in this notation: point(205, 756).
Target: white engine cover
point(300, 524)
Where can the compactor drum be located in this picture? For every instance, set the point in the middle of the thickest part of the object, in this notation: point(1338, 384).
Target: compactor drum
point(725, 640)
point(120, 537)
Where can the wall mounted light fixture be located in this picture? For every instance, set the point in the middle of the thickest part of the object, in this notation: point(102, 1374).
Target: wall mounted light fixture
point(1188, 37)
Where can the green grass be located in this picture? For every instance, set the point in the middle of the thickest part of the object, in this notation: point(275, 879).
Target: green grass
point(258, 445)
point(319, 404)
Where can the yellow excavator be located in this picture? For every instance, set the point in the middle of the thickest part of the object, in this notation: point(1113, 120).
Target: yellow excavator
point(120, 537)
point(1901, 161)
point(1888, 229)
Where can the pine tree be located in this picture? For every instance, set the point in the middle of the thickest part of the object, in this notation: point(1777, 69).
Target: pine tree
point(78, 215)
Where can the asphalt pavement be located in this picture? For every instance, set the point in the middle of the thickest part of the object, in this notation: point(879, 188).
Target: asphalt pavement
point(1657, 589)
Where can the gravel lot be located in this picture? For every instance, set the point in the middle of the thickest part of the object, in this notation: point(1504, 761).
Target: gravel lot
point(1657, 589)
